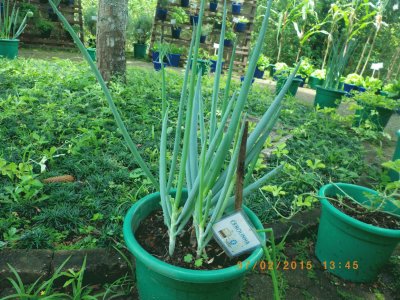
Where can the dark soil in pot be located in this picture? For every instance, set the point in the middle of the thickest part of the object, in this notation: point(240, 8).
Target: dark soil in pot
point(153, 236)
point(360, 213)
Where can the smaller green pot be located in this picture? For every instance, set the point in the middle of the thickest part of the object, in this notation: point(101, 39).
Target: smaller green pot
point(92, 53)
point(9, 48)
point(348, 248)
point(380, 120)
point(139, 50)
point(327, 97)
point(292, 88)
point(314, 81)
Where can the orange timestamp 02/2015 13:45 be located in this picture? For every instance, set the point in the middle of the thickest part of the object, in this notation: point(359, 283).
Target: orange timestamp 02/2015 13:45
point(286, 265)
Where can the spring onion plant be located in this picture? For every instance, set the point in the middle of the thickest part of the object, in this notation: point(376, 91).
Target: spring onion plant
point(204, 156)
point(9, 19)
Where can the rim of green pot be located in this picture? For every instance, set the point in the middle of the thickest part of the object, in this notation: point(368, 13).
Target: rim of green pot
point(331, 90)
point(10, 40)
point(179, 273)
point(394, 233)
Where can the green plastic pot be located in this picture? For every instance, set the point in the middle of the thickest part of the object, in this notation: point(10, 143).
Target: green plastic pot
point(139, 50)
point(294, 86)
point(327, 97)
point(157, 279)
point(92, 53)
point(314, 81)
point(343, 239)
point(396, 155)
point(9, 48)
point(380, 120)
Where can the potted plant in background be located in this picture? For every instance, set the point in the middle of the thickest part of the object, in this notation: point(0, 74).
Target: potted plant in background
point(241, 24)
point(142, 29)
point(194, 13)
point(44, 27)
point(305, 70)
point(178, 18)
point(213, 63)
point(294, 86)
point(174, 55)
point(358, 230)
point(316, 78)
point(213, 5)
point(230, 37)
point(203, 61)
point(329, 94)
point(373, 84)
point(217, 20)
point(11, 27)
point(352, 82)
point(161, 10)
point(375, 108)
point(203, 161)
point(205, 31)
point(280, 69)
point(393, 89)
point(262, 65)
point(236, 7)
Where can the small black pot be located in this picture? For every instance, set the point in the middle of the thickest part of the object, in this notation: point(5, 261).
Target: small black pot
point(176, 32)
point(213, 6)
point(228, 43)
point(203, 39)
point(194, 20)
point(161, 13)
point(240, 27)
point(185, 3)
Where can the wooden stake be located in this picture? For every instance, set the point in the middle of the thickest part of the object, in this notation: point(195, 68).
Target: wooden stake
point(241, 169)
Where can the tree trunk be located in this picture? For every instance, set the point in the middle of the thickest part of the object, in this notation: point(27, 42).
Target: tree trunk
point(110, 40)
point(369, 52)
point(362, 54)
point(392, 66)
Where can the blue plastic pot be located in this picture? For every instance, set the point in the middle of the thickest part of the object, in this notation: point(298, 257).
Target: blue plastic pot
point(194, 20)
point(155, 55)
point(173, 60)
point(213, 6)
point(213, 65)
point(157, 65)
point(242, 79)
point(228, 43)
point(176, 32)
point(361, 89)
point(236, 7)
point(185, 3)
point(258, 73)
point(349, 87)
point(161, 13)
point(203, 39)
point(241, 27)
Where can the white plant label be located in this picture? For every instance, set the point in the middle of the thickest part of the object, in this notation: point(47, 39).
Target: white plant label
point(235, 20)
point(235, 234)
point(94, 18)
point(173, 22)
point(377, 66)
point(216, 46)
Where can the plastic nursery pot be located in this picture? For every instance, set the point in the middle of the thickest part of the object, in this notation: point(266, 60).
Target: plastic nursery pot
point(213, 6)
point(157, 65)
point(242, 79)
point(228, 43)
point(9, 48)
point(380, 120)
point(327, 97)
point(393, 174)
point(314, 81)
point(185, 3)
point(52, 15)
point(213, 65)
point(361, 89)
point(343, 239)
point(176, 32)
point(194, 20)
point(292, 88)
point(349, 87)
point(258, 73)
point(303, 80)
point(92, 53)
point(161, 13)
point(173, 60)
point(155, 55)
point(157, 279)
point(203, 39)
point(236, 7)
point(240, 27)
point(139, 50)
point(272, 70)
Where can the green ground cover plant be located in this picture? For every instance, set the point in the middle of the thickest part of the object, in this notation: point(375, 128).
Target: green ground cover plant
point(54, 122)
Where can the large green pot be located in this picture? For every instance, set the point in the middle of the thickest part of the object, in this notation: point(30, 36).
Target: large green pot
point(157, 279)
point(294, 86)
point(327, 97)
point(139, 50)
point(351, 249)
point(380, 120)
point(9, 48)
point(314, 81)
